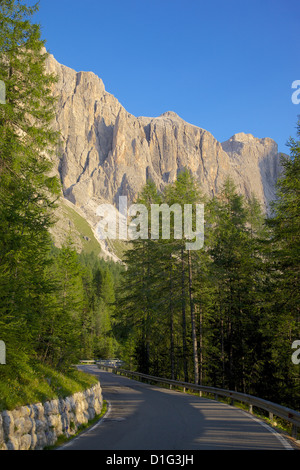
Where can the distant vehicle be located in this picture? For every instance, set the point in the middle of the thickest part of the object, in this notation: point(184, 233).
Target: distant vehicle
point(110, 362)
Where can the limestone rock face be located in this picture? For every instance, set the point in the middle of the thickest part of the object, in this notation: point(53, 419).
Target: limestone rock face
point(107, 152)
point(258, 163)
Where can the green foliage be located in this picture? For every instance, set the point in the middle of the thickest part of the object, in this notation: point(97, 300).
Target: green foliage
point(284, 263)
point(55, 306)
point(32, 382)
point(225, 315)
point(27, 192)
point(89, 243)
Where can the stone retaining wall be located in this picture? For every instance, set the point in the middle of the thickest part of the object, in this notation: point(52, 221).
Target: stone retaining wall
point(34, 427)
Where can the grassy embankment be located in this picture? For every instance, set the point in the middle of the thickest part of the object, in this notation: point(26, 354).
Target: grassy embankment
point(36, 383)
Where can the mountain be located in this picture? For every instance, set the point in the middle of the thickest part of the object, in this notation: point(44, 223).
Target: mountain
point(107, 152)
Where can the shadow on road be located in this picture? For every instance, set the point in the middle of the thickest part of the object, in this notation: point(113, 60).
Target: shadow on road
point(146, 417)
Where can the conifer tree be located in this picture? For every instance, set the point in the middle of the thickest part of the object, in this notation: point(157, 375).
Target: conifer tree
point(136, 298)
point(285, 265)
point(235, 273)
point(185, 191)
point(27, 191)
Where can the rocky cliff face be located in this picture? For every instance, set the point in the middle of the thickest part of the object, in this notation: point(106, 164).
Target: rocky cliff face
point(107, 152)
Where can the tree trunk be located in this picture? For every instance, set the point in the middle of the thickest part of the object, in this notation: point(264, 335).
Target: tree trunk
point(184, 346)
point(172, 322)
point(193, 322)
point(200, 346)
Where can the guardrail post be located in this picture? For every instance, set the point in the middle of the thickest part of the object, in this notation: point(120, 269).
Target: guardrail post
point(271, 416)
point(294, 431)
point(251, 409)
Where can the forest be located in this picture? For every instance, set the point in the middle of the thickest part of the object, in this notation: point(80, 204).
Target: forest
point(225, 315)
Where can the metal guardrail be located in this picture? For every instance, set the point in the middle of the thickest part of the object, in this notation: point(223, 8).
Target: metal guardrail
point(110, 362)
point(273, 409)
point(103, 362)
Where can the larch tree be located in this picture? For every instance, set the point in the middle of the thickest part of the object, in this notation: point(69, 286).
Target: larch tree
point(27, 189)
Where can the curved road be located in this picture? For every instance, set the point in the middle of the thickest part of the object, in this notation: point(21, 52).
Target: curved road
point(146, 417)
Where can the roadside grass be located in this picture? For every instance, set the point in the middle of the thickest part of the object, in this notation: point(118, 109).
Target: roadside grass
point(33, 382)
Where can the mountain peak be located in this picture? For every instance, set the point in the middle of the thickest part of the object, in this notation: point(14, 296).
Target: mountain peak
point(170, 114)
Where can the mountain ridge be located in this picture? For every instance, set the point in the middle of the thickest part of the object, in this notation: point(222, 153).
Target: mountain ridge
point(107, 152)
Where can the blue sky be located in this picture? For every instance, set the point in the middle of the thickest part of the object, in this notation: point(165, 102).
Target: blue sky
point(224, 65)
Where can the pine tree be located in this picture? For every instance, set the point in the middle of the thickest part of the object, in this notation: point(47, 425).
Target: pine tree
point(235, 269)
point(159, 289)
point(60, 325)
point(27, 191)
point(136, 294)
point(285, 266)
point(185, 191)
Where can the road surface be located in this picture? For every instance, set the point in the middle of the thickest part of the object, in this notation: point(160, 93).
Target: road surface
point(146, 417)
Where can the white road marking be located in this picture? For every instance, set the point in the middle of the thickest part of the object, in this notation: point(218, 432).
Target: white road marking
point(68, 444)
point(283, 441)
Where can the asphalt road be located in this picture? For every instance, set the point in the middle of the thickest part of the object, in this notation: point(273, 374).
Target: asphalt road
point(146, 417)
